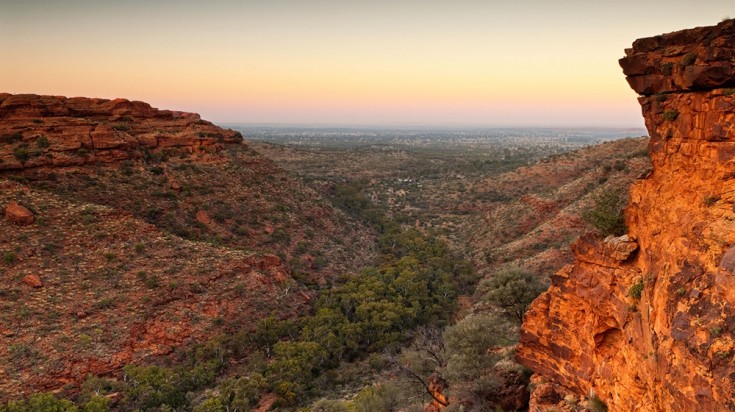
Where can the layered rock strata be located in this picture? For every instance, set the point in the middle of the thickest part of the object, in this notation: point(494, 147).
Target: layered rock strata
point(38, 131)
point(655, 332)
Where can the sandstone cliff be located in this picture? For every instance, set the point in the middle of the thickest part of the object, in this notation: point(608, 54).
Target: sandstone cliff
point(51, 130)
point(655, 332)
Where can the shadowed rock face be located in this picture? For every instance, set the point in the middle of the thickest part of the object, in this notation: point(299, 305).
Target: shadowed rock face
point(38, 131)
point(670, 347)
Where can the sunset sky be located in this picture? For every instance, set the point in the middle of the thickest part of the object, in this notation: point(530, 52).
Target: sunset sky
point(413, 62)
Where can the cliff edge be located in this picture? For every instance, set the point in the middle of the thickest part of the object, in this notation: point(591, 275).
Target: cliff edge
point(38, 131)
point(653, 330)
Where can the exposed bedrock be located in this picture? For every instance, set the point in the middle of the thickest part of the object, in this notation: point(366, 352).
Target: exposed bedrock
point(654, 332)
point(53, 131)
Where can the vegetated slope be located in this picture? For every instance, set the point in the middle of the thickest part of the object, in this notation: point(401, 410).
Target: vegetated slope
point(146, 248)
point(528, 217)
point(653, 330)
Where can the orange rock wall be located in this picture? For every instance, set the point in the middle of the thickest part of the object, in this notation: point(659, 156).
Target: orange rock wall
point(38, 131)
point(672, 349)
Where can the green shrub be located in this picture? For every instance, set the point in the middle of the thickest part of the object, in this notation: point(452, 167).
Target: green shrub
point(45, 402)
point(688, 59)
point(636, 290)
point(666, 68)
point(11, 138)
point(710, 200)
point(151, 282)
point(152, 387)
point(384, 397)
point(607, 213)
point(9, 257)
point(329, 405)
point(42, 142)
point(596, 404)
point(21, 154)
point(512, 291)
point(670, 115)
point(89, 216)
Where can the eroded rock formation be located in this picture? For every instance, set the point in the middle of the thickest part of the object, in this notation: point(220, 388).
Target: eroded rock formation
point(655, 332)
point(58, 131)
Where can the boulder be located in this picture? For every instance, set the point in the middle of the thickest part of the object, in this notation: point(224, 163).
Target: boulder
point(33, 281)
point(203, 217)
point(621, 248)
point(17, 214)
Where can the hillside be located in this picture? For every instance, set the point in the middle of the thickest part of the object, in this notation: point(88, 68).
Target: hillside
point(526, 216)
point(151, 231)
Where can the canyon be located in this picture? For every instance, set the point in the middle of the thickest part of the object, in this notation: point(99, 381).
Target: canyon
point(652, 329)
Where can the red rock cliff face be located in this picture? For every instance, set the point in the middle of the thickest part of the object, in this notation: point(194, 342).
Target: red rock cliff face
point(673, 348)
point(40, 131)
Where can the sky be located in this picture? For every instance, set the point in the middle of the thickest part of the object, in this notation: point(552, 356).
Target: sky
point(345, 62)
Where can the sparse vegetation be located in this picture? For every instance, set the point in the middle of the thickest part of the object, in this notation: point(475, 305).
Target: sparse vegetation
point(21, 153)
point(595, 404)
point(606, 215)
point(710, 200)
point(688, 59)
point(11, 138)
point(636, 290)
point(666, 68)
point(9, 257)
point(670, 115)
point(42, 142)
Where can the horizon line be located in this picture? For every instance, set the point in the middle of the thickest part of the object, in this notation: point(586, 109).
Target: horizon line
point(419, 126)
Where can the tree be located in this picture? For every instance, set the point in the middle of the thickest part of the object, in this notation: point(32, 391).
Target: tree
point(512, 291)
point(423, 363)
point(45, 402)
point(471, 343)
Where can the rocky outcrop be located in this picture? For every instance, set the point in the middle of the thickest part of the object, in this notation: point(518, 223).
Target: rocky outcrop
point(17, 214)
point(38, 131)
point(655, 331)
point(33, 281)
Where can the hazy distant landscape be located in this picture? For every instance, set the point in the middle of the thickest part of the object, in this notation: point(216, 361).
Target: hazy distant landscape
point(561, 138)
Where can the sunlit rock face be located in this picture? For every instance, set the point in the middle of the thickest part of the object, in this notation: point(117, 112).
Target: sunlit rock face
point(47, 131)
point(669, 346)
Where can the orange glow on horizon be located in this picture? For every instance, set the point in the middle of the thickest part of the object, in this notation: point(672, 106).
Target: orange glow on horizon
point(428, 62)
